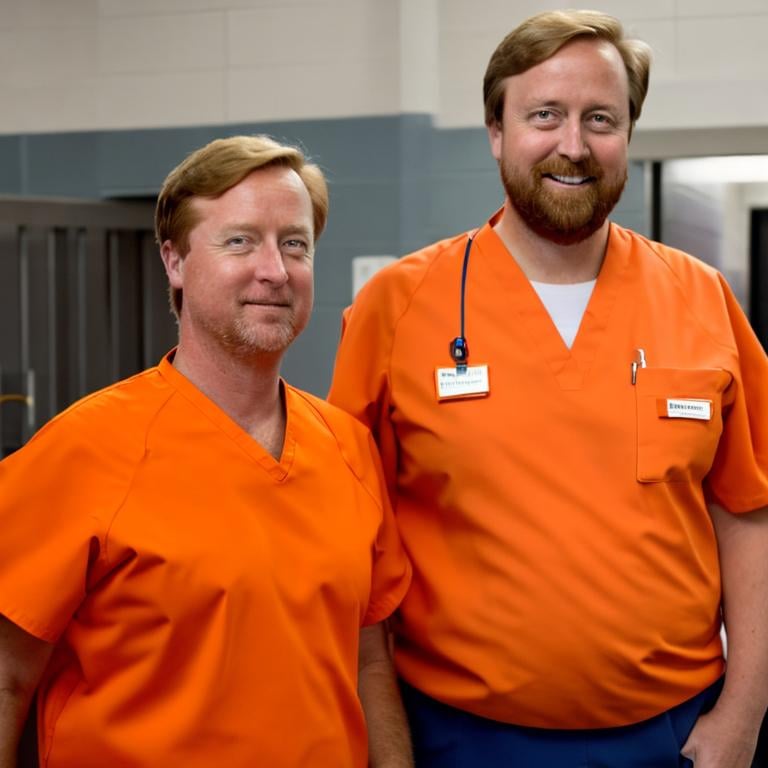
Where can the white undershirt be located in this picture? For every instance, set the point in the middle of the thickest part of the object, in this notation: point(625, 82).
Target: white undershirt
point(566, 305)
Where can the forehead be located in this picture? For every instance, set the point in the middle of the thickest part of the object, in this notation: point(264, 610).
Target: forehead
point(584, 69)
point(275, 192)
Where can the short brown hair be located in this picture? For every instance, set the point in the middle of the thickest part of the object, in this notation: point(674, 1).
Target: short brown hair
point(213, 169)
point(541, 36)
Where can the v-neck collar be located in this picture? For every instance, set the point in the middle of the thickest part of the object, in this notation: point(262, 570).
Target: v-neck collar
point(569, 366)
point(277, 469)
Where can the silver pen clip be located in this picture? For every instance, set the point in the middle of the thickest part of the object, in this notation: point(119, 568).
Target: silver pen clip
point(638, 362)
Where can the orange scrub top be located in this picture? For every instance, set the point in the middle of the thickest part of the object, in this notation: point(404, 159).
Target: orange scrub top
point(565, 567)
point(205, 599)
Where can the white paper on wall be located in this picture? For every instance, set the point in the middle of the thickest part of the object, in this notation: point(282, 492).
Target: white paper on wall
point(365, 267)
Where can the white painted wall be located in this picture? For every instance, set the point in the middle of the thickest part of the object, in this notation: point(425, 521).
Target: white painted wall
point(100, 64)
point(710, 57)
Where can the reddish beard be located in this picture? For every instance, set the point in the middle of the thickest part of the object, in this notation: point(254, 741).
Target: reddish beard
point(564, 216)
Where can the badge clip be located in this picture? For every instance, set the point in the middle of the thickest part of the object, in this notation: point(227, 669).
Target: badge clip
point(460, 353)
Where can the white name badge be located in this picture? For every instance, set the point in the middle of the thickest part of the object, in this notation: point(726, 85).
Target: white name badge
point(471, 381)
point(689, 409)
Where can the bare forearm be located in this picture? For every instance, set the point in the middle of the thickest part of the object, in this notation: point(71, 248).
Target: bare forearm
point(743, 544)
point(389, 743)
point(22, 660)
point(726, 736)
point(13, 712)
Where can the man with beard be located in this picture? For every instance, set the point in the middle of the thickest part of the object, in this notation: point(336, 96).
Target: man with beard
point(573, 426)
point(196, 561)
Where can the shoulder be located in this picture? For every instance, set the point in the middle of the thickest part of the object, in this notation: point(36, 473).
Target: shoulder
point(402, 279)
point(330, 419)
point(671, 275)
point(678, 264)
point(387, 297)
point(110, 421)
point(80, 463)
point(351, 438)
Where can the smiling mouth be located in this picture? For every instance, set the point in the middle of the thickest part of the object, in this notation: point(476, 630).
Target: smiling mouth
point(265, 303)
point(571, 181)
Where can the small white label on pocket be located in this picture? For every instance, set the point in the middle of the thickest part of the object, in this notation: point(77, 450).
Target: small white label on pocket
point(689, 409)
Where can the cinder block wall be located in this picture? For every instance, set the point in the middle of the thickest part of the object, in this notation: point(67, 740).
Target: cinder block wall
point(116, 64)
point(102, 97)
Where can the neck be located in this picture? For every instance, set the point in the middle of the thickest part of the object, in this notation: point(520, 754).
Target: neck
point(245, 387)
point(546, 262)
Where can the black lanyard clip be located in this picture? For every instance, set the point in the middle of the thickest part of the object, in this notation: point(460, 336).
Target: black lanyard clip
point(460, 353)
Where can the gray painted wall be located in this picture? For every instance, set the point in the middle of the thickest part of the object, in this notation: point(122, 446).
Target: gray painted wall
point(396, 184)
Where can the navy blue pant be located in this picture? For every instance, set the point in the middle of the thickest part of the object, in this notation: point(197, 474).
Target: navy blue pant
point(444, 737)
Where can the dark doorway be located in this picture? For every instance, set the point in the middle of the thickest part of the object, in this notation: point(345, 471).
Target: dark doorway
point(82, 304)
point(758, 299)
point(758, 315)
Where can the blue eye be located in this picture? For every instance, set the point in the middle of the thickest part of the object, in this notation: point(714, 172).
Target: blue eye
point(601, 120)
point(296, 245)
point(545, 118)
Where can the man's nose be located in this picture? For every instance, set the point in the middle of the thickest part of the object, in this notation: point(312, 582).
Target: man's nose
point(270, 266)
point(572, 141)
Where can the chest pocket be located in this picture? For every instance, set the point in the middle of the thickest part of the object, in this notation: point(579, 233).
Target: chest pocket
point(678, 447)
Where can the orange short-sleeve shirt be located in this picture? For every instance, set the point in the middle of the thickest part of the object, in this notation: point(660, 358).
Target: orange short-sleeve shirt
point(205, 599)
point(565, 566)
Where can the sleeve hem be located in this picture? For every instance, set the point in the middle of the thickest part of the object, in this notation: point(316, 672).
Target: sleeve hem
point(29, 625)
point(743, 505)
point(379, 610)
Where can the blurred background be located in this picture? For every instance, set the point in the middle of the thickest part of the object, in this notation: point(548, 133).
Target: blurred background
point(99, 99)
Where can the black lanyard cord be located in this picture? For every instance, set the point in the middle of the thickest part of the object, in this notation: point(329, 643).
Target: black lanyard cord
point(459, 348)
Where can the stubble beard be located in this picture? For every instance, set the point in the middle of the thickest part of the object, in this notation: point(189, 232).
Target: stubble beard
point(264, 336)
point(250, 337)
point(562, 216)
